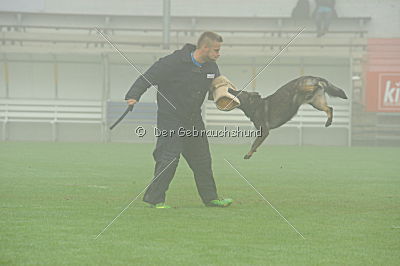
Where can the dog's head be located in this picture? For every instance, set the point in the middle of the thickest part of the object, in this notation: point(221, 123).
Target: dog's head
point(249, 101)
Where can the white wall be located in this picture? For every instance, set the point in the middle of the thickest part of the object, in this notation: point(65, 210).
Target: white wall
point(31, 80)
point(34, 78)
point(2, 80)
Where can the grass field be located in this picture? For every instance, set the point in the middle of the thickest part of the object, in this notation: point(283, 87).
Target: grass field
point(56, 197)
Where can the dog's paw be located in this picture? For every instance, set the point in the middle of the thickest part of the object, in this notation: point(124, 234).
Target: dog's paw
point(246, 156)
point(328, 123)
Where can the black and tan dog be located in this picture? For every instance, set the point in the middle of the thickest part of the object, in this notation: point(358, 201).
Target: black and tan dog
point(277, 109)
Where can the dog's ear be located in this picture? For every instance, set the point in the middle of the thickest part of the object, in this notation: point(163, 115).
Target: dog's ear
point(255, 94)
point(233, 92)
point(254, 97)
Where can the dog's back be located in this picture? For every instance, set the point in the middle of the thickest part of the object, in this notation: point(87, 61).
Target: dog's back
point(286, 101)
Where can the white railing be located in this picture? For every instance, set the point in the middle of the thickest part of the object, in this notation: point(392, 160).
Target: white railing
point(50, 111)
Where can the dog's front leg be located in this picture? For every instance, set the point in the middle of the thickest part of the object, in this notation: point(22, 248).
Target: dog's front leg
point(259, 140)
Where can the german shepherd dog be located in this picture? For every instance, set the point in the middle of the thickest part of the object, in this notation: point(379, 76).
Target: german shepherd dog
point(275, 110)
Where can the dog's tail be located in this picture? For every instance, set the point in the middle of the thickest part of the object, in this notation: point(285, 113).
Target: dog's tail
point(332, 90)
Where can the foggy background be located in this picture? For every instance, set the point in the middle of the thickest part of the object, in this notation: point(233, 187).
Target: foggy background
point(61, 81)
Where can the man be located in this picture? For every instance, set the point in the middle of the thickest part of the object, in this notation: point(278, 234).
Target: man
point(301, 10)
point(183, 79)
point(323, 14)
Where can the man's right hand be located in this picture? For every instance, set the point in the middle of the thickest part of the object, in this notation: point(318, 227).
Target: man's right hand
point(131, 101)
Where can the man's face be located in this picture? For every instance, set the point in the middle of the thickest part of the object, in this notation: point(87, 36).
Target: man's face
point(211, 52)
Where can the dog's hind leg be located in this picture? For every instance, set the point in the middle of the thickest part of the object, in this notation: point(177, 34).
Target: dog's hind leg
point(258, 141)
point(319, 103)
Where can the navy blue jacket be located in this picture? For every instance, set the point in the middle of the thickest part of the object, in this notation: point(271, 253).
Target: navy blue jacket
point(183, 84)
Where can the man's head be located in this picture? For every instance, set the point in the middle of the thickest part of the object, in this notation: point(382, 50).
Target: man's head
point(208, 46)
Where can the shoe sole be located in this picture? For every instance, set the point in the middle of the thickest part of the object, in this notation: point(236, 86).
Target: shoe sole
point(220, 206)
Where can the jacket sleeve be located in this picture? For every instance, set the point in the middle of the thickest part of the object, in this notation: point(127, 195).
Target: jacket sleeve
point(210, 90)
point(153, 76)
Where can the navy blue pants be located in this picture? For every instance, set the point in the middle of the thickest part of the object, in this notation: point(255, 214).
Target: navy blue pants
point(168, 149)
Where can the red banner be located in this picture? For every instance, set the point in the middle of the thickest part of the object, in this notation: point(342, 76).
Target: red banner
point(382, 74)
point(383, 92)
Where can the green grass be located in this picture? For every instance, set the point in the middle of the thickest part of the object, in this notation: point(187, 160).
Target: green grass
point(56, 197)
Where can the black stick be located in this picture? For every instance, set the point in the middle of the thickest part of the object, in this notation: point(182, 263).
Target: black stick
point(129, 109)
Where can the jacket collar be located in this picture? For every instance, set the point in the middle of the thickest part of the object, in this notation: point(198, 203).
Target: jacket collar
point(186, 50)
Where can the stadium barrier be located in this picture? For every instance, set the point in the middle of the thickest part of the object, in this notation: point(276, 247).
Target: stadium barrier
point(143, 113)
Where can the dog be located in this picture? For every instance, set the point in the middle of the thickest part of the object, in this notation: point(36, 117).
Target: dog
point(275, 110)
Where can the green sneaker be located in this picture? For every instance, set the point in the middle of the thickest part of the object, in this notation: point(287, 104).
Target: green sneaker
point(219, 203)
point(160, 205)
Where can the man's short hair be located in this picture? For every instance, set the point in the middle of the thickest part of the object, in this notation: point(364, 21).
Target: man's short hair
point(207, 38)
